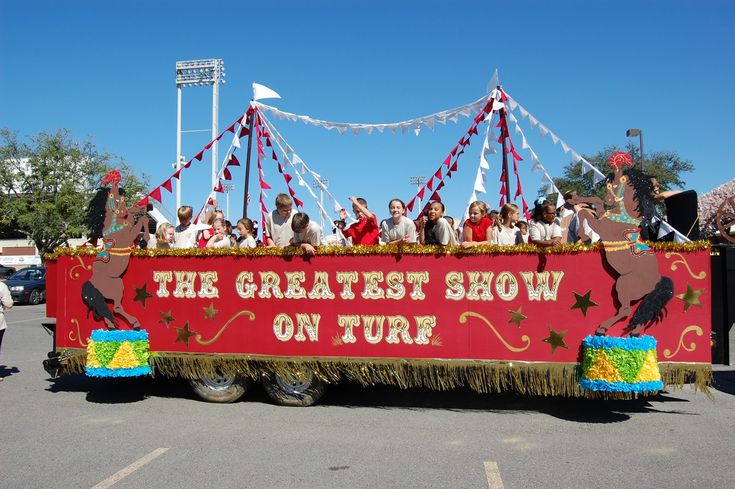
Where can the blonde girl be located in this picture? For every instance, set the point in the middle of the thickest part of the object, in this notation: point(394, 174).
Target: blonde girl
point(164, 236)
point(477, 229)
point(504, 231)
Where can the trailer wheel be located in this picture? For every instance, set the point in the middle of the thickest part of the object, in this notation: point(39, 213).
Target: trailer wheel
point(220, 389)
point(302, 388)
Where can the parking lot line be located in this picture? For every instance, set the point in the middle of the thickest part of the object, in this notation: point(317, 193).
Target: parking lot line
point(493, 475)
point(130, 468)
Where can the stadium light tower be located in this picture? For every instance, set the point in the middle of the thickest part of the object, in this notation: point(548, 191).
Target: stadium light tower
point(200, 72)
point(418, 181)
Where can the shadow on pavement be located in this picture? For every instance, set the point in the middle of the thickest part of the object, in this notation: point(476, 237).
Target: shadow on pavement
point(6, 371)
point(724, 381)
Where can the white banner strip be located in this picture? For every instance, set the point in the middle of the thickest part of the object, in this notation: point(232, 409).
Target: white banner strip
point(414, 124)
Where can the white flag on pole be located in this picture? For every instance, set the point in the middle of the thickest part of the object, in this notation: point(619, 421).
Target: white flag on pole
point(261, 92)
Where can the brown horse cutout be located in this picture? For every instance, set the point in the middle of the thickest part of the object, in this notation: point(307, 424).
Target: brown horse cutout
point(628, 210)
point(118, 227)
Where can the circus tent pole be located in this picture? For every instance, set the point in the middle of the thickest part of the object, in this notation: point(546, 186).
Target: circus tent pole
point(503, 135)
point(247, 165)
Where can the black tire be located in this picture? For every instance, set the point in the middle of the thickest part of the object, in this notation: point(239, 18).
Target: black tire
point(301, 389)
point(222, 389)
point(35, 297)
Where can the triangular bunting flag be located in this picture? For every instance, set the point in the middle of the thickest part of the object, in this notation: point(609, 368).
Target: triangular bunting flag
point(156, 194)
point(167, 185)
point(233, 161)
point(226, 174)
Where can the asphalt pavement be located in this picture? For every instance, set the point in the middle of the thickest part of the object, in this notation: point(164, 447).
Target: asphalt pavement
point(79, 432)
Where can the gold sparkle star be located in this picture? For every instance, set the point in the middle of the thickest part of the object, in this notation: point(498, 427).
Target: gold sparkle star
point(141, 294)
point(183, 334)
point(210, 311)
point(691, 297)
point(556, 339)
point(516, 317)
point(583, 302)
point(166, 317)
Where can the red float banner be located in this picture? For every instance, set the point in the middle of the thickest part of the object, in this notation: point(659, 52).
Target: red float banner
point(525, 307)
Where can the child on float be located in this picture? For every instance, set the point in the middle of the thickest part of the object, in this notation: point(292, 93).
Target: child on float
point(523, 228)
point(493, 215)
point(185, 233)
point(219, 238)
point(504, 231)
point(246, 230)
point(545, 230)
point(434, 229)
point(164, 237)
point(206, 226)
point(477, 229)
point(306, 233)
point(398, 228)
point(278, 229)
point(365, 231)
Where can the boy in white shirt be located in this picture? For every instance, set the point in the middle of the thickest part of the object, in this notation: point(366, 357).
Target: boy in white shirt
point(278, 232)
point(307, 233)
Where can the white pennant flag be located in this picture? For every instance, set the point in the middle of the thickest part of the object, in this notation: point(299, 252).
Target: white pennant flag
point(575, 156)
point(369, 129)
point(497, 106)
point(524, 143)
point(380, 128)
point(341, 128)
point(393, 128)
point(546, 178)
point(465, 112)
point(537, 167)
point(236, 142)
point(513, 104)
point(355, 130)
point(554, 137)
point(479, 182)
point(565, 147)
point(441, 117)
point(453, 117)
point(559, 198)
point(261, 92)
point(542, 129)
point(532, 120)
point(524, 112)
point(429, 123)
point(512, 118)
point(483, 162)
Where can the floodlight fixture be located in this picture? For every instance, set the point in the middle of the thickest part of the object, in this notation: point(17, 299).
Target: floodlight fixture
point(200, 72)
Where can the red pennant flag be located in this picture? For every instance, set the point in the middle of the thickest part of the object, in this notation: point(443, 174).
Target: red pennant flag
point(156, 194)
point(199, 156)
point(188, 164)
point(244, 132)
point(210, 201)
point(233, 161)
point(519, 190)
point(219, 187)
point(430, 184)
point(287, 177)
point(461, 151)
point(298, 202)
point(516, 156)
point(226, 174)
point(453, 167)
point(268, 142)
point(502, 188)
point(500, 123)
point(143, 201)
point(440, 186)
point(292, 192)
point(438, 174)
point(280, 168)
point(409, 206)
point(473, 129)
point(479, 117)
point(502, 201)
point(462, 142)
point(167, 184)
point(262, 207)
point(274, 156)
point(420, 195)
point(208, 145)
point(488, 106)
point(177, 174)
point(454, 151)
point(231, 129)
point(435, 197)
point(264, 185)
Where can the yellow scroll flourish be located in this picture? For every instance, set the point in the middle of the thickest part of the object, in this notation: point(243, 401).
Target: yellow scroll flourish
point(198, 337)
point(465, 315)
point(683, 261)
point(692, 345)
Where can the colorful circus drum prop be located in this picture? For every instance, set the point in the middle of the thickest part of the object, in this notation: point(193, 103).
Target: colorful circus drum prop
point(620, 365)
point(118, 354)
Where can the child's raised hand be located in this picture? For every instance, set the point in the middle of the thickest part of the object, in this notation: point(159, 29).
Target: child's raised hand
point(342, 214)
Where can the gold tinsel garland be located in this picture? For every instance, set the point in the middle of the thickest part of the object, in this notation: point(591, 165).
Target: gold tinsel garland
point(392, 249)
point(545, 379)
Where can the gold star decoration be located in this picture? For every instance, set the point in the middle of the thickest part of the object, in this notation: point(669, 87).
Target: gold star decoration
point(166, 317)
point(516, 317)
point(556, 339)
point(183, 334)
point(583, 302)
point(691, 297)
point(142, 295)
point(210, 311)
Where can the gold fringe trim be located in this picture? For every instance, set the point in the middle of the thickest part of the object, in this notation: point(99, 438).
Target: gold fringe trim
point(394, 249)
point(540, 379)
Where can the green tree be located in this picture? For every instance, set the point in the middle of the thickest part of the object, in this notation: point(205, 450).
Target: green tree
point(47, 182)
point(666, 166)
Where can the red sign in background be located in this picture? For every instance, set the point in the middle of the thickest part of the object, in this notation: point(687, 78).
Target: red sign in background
point(537, 307)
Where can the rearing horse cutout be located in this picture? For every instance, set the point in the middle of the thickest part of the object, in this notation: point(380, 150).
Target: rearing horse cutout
point(629, 208)
point(118, 227)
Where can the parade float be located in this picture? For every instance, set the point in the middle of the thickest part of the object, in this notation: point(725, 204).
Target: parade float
point(621, 317)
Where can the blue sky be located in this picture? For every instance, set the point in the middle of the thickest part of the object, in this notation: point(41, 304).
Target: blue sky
point(587, 70)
